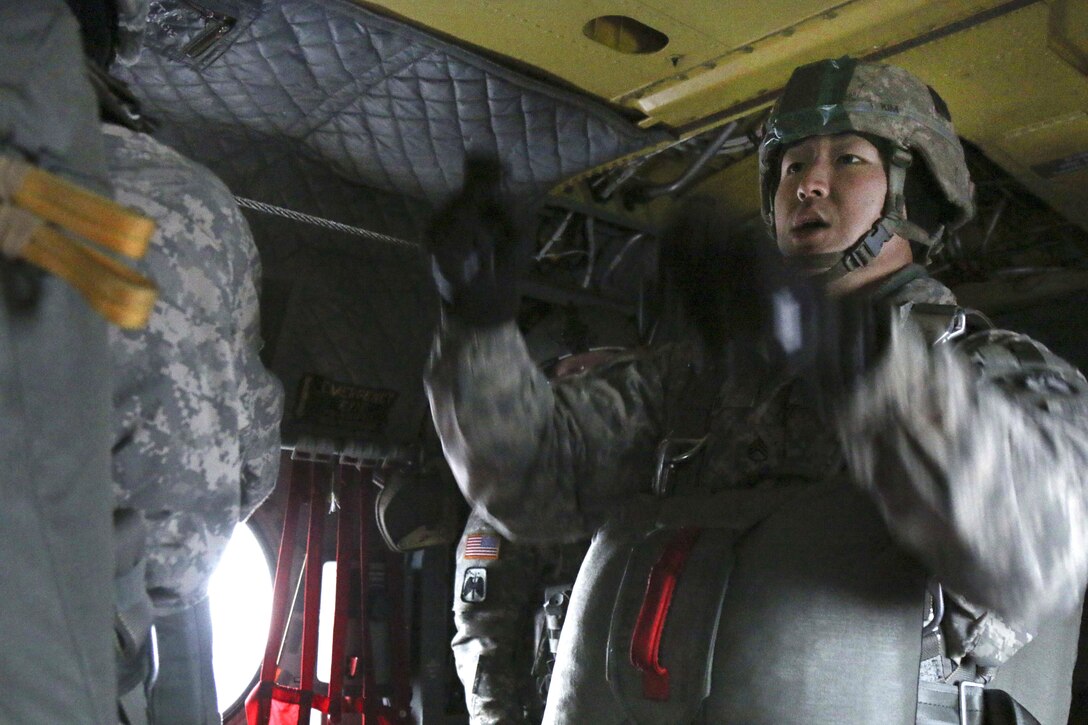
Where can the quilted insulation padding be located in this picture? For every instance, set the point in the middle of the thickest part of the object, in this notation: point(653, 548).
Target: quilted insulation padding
point(327, 108)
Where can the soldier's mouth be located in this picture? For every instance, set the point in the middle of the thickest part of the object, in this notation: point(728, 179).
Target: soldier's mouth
point(809, 225)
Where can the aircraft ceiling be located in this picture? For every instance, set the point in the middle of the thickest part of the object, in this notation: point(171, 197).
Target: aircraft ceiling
point(362, 113)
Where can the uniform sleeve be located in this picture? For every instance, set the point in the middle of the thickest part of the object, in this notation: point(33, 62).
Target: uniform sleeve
point(976, 456)
point(544, 462)
point(496, 588)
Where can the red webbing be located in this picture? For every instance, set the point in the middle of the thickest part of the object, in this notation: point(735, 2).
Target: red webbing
point(349, 519)
point(311, 599)
point(281, 593)
point(371, 697)
point(660, 586)
point(273, 704)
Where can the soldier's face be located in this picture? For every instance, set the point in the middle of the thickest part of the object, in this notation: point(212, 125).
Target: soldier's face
point(830, 192)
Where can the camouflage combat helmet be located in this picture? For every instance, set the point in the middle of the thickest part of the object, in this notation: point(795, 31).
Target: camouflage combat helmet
point(837, 96)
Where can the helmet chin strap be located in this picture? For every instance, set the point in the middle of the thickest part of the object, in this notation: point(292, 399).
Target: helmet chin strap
point(893, 221)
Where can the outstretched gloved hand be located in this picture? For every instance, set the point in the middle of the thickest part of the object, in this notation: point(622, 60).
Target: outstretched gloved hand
point(479, 250)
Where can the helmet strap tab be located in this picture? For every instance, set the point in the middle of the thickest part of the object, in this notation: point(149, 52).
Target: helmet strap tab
point(895, 203)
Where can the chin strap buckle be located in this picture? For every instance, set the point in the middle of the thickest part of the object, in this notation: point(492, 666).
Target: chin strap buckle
point(867, 248)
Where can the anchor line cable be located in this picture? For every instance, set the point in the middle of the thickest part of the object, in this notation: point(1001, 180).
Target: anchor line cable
point(298, 216)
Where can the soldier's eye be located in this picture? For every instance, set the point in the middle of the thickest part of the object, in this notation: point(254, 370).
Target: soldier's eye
point(792, 167)
point(849, 159)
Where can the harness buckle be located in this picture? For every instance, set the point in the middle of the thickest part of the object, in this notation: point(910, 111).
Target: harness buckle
point(962, 687)
point(671, 454)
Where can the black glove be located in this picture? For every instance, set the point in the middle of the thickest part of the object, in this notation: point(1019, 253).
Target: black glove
point(479, 251)
point(732, 287)
point(738, 291)
point(829, 342)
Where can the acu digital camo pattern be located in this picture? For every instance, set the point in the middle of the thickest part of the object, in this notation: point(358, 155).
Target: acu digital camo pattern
point(196, 413)
point(492, 647)
point(977, 468)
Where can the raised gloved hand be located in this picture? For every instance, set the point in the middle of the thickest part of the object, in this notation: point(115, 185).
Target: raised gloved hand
point(737, 289)
point(479, 249)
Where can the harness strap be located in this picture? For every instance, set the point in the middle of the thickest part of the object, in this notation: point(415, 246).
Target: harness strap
point(941, 704)
point(49, 222)
point(650, 625)
point(93, 217)
point(132, 707)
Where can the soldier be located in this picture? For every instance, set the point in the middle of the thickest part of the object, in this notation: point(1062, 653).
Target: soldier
point(503, 590)
point(772, 502)
point(498, 590)
point(196, 415)
point(196, 412)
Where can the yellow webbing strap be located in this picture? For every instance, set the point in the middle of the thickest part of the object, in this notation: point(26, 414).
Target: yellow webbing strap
point(44, 220)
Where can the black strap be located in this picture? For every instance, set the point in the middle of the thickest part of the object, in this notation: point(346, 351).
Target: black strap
point(969, 704)
point(1000, 708)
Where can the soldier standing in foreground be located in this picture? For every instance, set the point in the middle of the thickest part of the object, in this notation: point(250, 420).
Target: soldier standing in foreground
point(196, 412)
point(797, 519)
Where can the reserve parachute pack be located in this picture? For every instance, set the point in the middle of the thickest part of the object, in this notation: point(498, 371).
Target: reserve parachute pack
point(763, 605)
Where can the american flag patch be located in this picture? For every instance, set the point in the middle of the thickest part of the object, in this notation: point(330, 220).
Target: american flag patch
point(481, 545)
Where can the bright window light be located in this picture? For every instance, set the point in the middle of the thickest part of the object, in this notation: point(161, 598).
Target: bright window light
point(240, 594)
point(325, 614)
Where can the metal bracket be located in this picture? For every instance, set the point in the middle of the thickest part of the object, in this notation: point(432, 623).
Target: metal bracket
point(956, 328)
point(937, 592)
point(668, 459)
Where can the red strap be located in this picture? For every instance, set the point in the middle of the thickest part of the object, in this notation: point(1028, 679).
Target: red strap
point(296, 496)
point(646, 639)
point(347, 568)
point(311, 595)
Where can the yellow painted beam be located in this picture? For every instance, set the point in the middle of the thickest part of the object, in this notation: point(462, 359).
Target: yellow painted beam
point(857, 28)
point(1021, 102)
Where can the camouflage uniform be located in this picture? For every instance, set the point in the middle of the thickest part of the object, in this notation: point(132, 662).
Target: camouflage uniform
point(983, 484)
point(56, 539)
point(196, 415)
point(498, 589)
